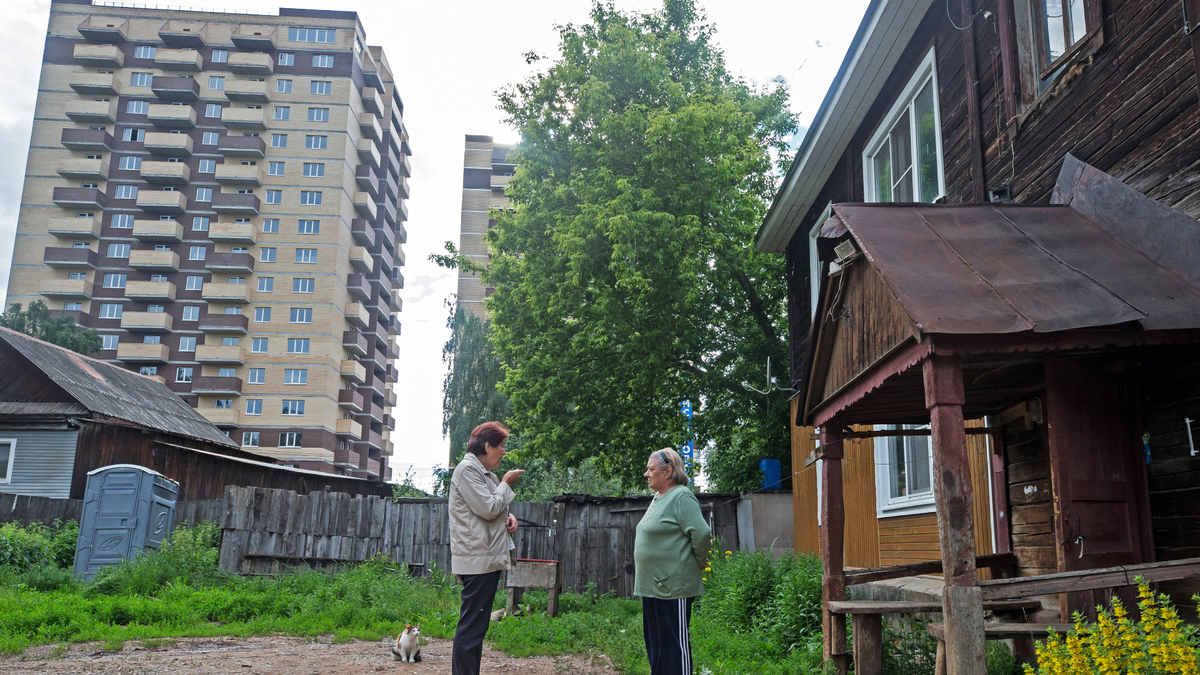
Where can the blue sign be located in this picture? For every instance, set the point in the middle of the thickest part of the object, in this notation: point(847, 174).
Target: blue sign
point(686, 408)
point(686, 450)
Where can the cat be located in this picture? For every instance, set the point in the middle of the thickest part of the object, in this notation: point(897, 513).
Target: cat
point(408, 645)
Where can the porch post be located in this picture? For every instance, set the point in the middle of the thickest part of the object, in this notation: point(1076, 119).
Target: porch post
point(833, 519)
point(962, 604)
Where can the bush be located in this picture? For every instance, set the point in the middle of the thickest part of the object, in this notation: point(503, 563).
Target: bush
point(188, 557)
point(24, 548)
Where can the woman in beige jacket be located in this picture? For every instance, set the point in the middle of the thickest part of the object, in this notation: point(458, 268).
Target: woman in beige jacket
point(480, 530)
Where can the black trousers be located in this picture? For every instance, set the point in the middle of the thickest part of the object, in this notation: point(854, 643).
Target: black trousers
point(668, 640)
point(479, 591)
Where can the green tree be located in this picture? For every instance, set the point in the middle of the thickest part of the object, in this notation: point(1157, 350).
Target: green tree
point(626, 278)
point(61, 330)
point(470, 393)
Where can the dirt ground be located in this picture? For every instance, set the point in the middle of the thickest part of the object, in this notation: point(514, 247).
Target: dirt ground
point(295, 656)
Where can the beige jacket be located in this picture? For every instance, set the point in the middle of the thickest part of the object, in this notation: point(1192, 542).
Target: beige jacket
point(479, 501)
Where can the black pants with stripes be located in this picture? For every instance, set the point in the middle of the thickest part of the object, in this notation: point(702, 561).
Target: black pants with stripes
point(668, 640)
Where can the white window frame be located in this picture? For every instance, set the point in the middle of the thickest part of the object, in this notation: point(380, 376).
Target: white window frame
point(885, 505)
point(926, 71)
point(12, 457)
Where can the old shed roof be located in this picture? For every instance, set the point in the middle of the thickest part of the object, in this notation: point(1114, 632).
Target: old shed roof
point(115, 392)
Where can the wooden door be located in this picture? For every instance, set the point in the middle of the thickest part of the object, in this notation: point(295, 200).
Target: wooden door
point(1097, 472)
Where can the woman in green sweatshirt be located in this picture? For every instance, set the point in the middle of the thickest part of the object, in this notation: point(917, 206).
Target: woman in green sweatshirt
point(669, 555)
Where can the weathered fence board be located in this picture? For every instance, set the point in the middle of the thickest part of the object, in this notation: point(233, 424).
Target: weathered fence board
point(25, 510)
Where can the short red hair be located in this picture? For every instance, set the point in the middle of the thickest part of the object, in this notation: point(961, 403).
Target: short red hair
point(488, 433)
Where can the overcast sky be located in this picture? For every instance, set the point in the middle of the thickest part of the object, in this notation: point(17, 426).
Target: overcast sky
point(449, 58)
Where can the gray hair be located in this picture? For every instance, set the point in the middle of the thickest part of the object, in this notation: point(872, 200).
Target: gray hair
point(668, 457)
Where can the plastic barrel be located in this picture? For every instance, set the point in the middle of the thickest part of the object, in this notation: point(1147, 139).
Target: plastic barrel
point(771, 474)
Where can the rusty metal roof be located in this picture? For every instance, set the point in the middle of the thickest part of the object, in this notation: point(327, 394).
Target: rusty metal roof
point(1006, 268)
point(115, 392)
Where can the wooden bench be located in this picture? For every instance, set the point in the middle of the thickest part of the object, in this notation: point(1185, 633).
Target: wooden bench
point(528, 573)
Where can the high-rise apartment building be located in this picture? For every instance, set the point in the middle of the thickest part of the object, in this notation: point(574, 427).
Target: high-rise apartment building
point(222, 197)
point(486, 170)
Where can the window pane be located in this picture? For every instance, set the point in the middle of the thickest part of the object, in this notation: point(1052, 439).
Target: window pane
point(897, 466)
point(918, 462)
point(5, 459)
point(1052, 14)
point(1078, 20)
point(901, 141)
point(883, 173)
point(927, 168)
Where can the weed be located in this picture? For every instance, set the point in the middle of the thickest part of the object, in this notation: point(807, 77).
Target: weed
point(57, 652)
point(155, 643)
point(113, 645)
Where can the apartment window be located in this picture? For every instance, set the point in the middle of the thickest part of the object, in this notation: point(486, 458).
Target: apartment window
point(309, 198)
point(274, 196)
point(200, 224)
point(219, 56)
point(118, 250)
point(254, 406)
point(223, 404)
point(210, 138)
point(144, 52)
point(109, 341)
point(157, 278)
point(141, 79)
point(134, 135)
point(300, 315)
point(156, 309)
point(191, 313)
point(903, 159)
point(229, 342)
point(216, 82)
point(115, 280)
point(148, 370)
point(73, 306)
point(152, 339)
point(309, 227)
point(183, 374)
point(306, 255)
point(270, 225)
point(278, 140)
point(262, 314)
point(130, 163)
point(311, 35)
point(110, 310)
point(304, 285)
point(290, 439)
point(207, 166)
point(266, 255)
point(291, 407)
point(93, 186)
point(283, 86)
point(320, 87)
point(137, 107)
point(295, 376)
point(258, 376)
point(227, 372)
point(316, 142)
point(77, 276)
point(275, 168)
point(213, 110)
point(906, 486)
point(314, 170)
point(318, 114)
point(238, 280)
point(249, 439)
point(204, 194)
point(266, 284)
point(187, 343)
point(283, 113)
point(258, 345)
point(194, 283)
point(162, 247)
point(121, 221)
point(298, 345)
point(287, 59)
point(322, 60)
point(197, 253)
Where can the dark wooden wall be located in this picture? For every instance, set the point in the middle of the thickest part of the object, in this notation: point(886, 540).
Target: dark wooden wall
point(1031, 508)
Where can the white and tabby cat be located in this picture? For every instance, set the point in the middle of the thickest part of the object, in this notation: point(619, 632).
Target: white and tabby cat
point(408, 645)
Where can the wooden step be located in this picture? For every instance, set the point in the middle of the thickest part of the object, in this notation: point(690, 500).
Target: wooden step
point(906, 607)
point(867, 575)
point(1086, 580)
point(1004, 631)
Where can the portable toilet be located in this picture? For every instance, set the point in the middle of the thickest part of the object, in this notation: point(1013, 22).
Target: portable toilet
point(771, 474)
point(126, 508)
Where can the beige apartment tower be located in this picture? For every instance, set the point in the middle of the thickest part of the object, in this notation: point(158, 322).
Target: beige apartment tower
point(486, 170)
point(222, 197)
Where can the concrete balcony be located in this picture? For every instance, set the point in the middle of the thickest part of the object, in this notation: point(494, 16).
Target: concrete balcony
point(393, 375)
point(404, 165)
point(361, 259)
point(78, 198)
point(375, 439)
point(170, 116)
point(367, 152)
point(398, 280)
point(400, 232)
point(172, 145)
point(242, 146)
point(95, 84)
point(364, 203)
point(253, 37)
point(135, 352)
point(224, 354)
point(161, 201)
point(230, 262)
point(232, 324)
point(154, 261)
point(87, 140)
point(247, 91)
point(351, 400)
point(155, 291)
point(368, 123)
point(92, 112)
point(245, 119)
point(359, 287)
point(239, 175)
point(348, 428)
point(251, 64)
point(392, 398)
point(105, 29)
point(372, 103)
point(158, 231)
point(366, 179)
point(389, 422)
point(221, 417)
point(396, 302)
point(175, 88)
point(242, 234)
point(353, 371)
point(235, 204)
point(74, 289)
point(185, 60)
point(71, 258)
point(356, 313)
point(402, 216)
point(404, 193)
point(146, 322)
point(184, 33)
point(393, 349)
point(227, 294)
point(346, 458)
point(355, 342)
point(217, 385)
point(499, 182)
point(83, 169)
point(166, 173)
point(363, 232)
point(400, 258)
point(75, 229)
point(388, 210)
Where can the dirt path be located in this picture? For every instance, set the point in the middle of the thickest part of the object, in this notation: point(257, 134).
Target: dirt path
point(295, 656)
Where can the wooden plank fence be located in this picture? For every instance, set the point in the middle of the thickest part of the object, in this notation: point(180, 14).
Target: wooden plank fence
point(25, 510)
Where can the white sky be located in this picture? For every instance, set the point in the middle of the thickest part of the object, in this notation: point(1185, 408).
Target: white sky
point(450, 58)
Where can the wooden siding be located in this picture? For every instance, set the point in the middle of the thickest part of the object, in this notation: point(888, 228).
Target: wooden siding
point(869, 324)
point(908, 539)
point(862, 523)
point(804, 487)
point(1027, 464)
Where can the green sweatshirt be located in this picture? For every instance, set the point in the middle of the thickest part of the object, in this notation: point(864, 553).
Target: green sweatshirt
point(671, 546)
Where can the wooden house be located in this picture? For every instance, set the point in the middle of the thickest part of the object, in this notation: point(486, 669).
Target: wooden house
point(63, 415)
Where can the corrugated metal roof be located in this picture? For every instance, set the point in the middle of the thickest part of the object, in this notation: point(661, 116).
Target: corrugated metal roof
point(115, 392)
point(41, 408)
